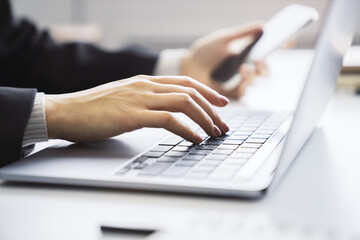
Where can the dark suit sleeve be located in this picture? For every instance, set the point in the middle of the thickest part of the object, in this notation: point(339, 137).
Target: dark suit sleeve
point(31, 58)
point(15, 109)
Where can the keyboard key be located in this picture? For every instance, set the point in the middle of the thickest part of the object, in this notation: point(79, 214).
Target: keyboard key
point(232, 129)
point(260, 136)
point(167, 159)
point(241, 155)
point(222, 137)
point(205, 147)
point(233, 142)
point(256, 140)
point(249, 129)
point(175, 154)
point(216, 157)
point(204, 168)
point(176, 171)
point(160, 148)
point(193, 157)
point(265, 132)
point(251, 145)
point(171, 141)
point(186, 144)
point(200, 172)
point(181, 149)
point(200, 152)
point(245, 150)
point(140, 159)
point(235, 161)
point(224, 146)
point(251, 125)
point(243, 132)
point(239, 137)
point(186, 163)
point(212, 141)
point(132, 164)
point(223, 175)
point(155, 168)
point(222, 151)
point(153, 154)
point(206, 162)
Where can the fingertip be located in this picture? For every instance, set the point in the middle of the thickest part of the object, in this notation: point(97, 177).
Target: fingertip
point(259, 25)
point(224, 127)
point(217, 131)
point(197, 139)
point(224, 100)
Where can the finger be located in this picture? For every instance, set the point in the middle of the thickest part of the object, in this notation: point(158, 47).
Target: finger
point(159, 119)
point(248, 73)
point(240, 91)
point(211, 95)
point(254, 28)
point(290, 44)
point(198, 98)
point(261, 68)
point(182, 102)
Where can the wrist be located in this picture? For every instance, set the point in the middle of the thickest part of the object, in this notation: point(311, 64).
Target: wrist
point(52, 113)
point(169, 62)
point(185, 63)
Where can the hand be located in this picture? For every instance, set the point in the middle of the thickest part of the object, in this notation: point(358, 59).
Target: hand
point(142, 101)
point(208, 52)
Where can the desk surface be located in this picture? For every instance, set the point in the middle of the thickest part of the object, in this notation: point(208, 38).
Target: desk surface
point(320, 190)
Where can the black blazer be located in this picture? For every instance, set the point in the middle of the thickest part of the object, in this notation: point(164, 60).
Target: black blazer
point(31, 60)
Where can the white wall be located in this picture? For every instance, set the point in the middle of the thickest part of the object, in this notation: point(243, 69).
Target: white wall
point(159, 23)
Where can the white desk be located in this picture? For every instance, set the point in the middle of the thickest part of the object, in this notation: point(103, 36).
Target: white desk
point(320, 190)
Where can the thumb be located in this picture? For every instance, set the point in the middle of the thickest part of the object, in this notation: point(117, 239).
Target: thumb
point(251, 29)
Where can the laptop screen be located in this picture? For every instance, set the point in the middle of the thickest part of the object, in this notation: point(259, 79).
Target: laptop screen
point(333, 41)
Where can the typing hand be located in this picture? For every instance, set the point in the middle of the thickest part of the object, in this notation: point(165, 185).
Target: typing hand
point(141, 101)
point(208, 52)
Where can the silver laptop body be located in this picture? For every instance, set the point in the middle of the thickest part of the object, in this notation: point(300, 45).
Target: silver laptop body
point(254, 155)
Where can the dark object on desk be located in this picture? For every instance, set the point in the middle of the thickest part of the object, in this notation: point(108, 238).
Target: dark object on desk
point(109, 232)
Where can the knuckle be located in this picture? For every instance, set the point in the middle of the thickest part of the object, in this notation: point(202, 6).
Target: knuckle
point(187, 81)
point(141, 82)
point(141, 76)
point(185, 99)
point(167, 118)
point(193, 92)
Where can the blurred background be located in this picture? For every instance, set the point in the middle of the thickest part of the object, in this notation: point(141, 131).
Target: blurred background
point(156, 23)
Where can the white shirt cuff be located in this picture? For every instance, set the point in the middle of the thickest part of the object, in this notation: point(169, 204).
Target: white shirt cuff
point(169, 62)
point(36, 129)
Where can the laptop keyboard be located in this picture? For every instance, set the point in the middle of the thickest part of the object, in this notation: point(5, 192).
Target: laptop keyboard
point(219, 158)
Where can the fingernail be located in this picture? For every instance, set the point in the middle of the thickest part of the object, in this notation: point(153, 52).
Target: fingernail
point(217, 131)
point(225, 127)
point(197, 139)
point(224, 100)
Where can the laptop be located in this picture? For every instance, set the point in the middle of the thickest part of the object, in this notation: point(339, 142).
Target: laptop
point(246, 162)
